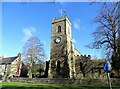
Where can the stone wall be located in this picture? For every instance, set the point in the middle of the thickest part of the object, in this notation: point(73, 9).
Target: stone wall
point(66, 81)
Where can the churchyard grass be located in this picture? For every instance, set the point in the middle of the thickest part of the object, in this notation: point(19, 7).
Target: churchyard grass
point(20, 85)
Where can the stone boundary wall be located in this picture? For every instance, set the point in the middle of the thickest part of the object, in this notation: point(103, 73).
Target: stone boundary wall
point(66, 81)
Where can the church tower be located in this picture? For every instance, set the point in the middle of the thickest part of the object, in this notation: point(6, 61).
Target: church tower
point(61, 49)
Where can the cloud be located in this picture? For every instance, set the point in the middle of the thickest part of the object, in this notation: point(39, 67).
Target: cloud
point(77, 25)
point(74, 41)
point(28, 32)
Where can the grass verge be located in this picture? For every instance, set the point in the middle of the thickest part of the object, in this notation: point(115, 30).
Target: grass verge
point(20, 85)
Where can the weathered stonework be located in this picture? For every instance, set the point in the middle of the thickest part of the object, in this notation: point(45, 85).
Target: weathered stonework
point(65, 60)
point(114, 81)
point(62, 55)
point(59, 55)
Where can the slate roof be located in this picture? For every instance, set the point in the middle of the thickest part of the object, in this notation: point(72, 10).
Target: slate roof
point(8, 60)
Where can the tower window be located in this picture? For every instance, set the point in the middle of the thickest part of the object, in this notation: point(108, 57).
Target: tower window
point(58, 67)
point(59, 28)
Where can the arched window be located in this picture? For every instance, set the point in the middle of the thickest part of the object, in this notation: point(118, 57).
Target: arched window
point(58, 67)
point(59, 28)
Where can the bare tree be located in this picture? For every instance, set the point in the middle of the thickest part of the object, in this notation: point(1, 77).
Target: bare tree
point(33, 53)
point(107, 34)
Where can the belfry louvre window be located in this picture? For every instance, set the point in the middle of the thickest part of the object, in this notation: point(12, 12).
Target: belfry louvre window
point(59, 29)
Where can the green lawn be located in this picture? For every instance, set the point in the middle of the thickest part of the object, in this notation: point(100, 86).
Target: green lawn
point(19, 85)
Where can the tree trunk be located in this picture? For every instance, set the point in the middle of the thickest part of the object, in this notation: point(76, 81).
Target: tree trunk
point(30, 73)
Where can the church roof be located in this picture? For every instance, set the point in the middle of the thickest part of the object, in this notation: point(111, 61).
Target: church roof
point(8, 60)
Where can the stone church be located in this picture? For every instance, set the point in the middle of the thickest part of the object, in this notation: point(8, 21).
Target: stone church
point(65, 60)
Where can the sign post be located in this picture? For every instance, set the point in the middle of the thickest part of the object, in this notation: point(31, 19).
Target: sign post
point(107, 68)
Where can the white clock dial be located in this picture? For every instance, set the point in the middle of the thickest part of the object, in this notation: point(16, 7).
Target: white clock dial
point(57, 40)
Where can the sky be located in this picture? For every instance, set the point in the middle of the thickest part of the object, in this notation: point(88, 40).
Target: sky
point(20, 21)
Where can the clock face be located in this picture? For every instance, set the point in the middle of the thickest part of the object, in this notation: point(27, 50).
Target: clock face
point(57, 40)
